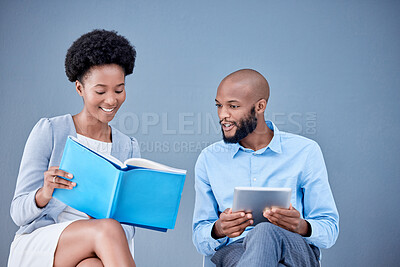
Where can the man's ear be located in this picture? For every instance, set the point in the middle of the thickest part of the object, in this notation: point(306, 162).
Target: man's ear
point(79, 87)
point(261, 105)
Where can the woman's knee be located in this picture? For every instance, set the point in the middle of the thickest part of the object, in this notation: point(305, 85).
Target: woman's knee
point(90, 262)
point(95, 231)
point(108, 228)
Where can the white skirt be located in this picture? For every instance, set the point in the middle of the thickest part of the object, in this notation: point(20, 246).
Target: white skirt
point(37, 248)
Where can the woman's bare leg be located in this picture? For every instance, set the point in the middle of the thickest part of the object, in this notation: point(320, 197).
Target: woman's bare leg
point(103, 239)
point(91, 262)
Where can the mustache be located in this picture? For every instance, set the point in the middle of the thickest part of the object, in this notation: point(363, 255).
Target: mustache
point(231, 122)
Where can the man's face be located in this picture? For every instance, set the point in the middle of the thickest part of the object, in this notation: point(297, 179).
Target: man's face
point(245, 126)
point(236, 111)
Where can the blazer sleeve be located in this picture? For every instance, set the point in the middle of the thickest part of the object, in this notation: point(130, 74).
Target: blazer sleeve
point(35, 161)
point(135, 148)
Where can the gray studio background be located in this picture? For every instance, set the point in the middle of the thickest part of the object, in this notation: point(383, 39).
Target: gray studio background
point(333, 68)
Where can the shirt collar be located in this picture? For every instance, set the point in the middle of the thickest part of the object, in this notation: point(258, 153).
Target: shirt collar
point(274, 145)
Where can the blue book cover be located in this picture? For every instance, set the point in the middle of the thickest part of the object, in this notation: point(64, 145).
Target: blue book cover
point(138, 192)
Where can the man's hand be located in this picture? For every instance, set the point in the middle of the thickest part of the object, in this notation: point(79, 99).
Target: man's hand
point(231, 224)
point(288, 219)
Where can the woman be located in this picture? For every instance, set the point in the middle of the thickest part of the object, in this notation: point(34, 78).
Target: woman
point(52, 233)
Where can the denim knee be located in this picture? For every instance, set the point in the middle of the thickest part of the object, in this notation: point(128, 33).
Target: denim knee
point(264, 240)
point(265, 231)
point(266, 228)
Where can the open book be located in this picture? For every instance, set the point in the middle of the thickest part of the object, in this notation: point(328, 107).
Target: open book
point(138, 192)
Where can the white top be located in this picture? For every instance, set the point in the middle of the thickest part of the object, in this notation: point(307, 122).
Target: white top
point(95, 145)
point(70, 214)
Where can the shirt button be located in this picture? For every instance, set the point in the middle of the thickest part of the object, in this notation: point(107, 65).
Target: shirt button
point(254, 179)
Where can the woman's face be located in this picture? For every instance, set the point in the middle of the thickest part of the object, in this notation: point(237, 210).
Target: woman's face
point(103, 91)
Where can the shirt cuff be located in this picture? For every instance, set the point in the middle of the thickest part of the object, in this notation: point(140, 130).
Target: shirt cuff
point(314, 232)
point(217, 243)
point(34, 209)
point(309, 229)
point(31, 210)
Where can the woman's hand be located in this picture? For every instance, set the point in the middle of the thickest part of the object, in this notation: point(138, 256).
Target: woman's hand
point(53, 178)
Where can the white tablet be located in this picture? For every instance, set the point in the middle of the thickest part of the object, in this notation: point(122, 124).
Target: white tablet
point(256, 199)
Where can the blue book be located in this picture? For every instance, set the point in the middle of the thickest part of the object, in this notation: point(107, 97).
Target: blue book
point(138, 192)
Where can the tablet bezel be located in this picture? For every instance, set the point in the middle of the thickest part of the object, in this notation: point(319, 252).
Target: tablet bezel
point(256, 199)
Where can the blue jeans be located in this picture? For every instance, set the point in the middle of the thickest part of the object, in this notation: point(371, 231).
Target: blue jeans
point(267, 245)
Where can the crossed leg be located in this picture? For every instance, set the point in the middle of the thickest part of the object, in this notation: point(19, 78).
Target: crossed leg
point(267, 245)
point(93, 243)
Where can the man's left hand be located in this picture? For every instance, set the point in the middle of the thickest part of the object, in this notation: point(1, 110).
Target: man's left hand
point(288, 219)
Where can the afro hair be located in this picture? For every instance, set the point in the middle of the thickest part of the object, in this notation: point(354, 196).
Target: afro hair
point(95, 48)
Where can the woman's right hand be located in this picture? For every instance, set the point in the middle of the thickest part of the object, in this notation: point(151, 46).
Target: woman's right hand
point(53, 178)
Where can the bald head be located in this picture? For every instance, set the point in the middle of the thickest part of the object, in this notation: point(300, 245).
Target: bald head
point(255, 85)
point(241, 101)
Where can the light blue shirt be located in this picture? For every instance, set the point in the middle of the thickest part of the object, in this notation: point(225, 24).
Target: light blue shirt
point(288, 161)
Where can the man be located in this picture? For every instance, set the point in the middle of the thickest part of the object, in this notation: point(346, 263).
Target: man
point(255, 153)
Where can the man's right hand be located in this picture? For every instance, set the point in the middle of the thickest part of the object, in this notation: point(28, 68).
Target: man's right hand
point(231, 224)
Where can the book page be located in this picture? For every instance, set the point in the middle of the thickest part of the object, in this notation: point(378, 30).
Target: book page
point(136, 162)
point(148, 164)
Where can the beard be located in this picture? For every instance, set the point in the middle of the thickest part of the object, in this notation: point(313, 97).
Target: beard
point(245, 127)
